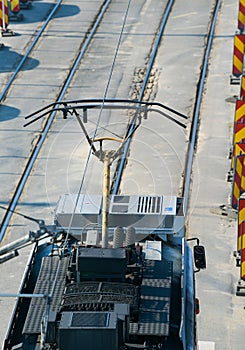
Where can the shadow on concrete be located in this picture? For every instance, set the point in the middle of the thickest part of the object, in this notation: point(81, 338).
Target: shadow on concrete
point(8, 113)
point(9, 60)
point(39, 11)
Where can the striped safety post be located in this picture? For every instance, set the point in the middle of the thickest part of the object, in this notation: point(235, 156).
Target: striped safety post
point(242, 276)
point(238, 183)
point(240, 110)
point(241, 219)
point(239, 131)
point(239, 148)
point(15, 11)
point(15, 6)
point(4, 18)
point(242, 90)
point(238, 136)
point(238, 54)
point(241, 15)
point(241, 285)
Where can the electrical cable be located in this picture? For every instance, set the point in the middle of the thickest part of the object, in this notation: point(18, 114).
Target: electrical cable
point(98, 120)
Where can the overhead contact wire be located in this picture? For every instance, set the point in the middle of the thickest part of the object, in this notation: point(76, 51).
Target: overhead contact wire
point(132, 126)
point(99, 118)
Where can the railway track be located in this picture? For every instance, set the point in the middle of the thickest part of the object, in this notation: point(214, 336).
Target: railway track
point(29, 82)
point(45, 173)
point(45, 129)
point(43, 132)
point(28, 51)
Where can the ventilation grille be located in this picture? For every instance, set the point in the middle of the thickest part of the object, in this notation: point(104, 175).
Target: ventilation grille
point(137, 204)
point(149, 205)
point(143, 205)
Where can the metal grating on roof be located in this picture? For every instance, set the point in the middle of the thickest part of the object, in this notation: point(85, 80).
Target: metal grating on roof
point(97, 295)
point(154, 312)
point(100, 287)
point(89, 319)
point(44, 285)
point(149, 329)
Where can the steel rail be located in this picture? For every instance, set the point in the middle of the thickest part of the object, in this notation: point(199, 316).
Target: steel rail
point(194, 127)
point(44, 132)
point(132, 126)
point(30, 48)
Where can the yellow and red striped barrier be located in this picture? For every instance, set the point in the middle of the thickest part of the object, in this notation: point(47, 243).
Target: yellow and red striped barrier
point(4, 19)
point(238, 185)
point(241, 219)
point(242, 276)
point(238, 136)
point(241, 15)
point(242, 90)
point(239, 148)
point(238, 152)
point(240, 110)
point(239, 131)
point(239, 43)
point(15, 6)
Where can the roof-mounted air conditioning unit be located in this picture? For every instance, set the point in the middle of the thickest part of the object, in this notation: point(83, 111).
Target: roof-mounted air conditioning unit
point(143, 211)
